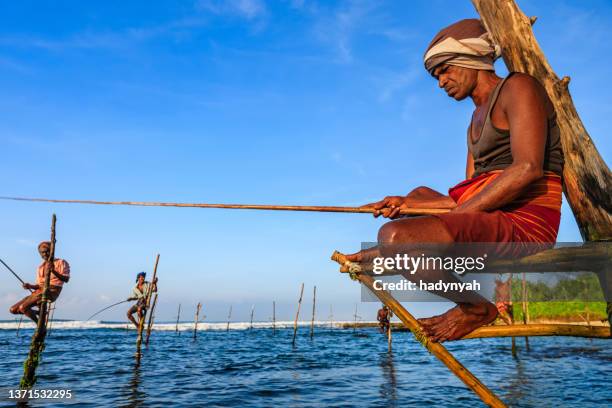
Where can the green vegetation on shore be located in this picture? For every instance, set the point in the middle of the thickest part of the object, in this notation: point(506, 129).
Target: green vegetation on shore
point(570, 310)
point(573, 297)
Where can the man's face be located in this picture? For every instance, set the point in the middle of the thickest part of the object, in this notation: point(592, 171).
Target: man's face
point(458, 82)
point(141, 279)
point(43, 250)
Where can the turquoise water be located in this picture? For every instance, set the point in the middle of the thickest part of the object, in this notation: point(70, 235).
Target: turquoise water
point(255, 368)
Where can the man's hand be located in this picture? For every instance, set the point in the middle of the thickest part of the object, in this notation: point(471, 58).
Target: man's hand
point(389, 207)
point(130, 299)
point(27, 286)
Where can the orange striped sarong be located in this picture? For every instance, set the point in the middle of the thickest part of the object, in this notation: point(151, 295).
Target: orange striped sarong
point(532, 218)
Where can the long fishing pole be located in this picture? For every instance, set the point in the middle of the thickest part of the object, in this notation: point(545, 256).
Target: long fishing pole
point(336, 209)
point(108, 307)
point(13, 272)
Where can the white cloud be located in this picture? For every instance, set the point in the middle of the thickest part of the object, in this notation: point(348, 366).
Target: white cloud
point(104, 39)
point(26, 242)
point(249, 9)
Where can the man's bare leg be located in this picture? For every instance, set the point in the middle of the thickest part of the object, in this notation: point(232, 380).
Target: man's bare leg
point(458, 321)
point(25, 306)
point(131, 318)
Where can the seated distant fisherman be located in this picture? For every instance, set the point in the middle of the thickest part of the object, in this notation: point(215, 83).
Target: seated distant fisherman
point(140, 293)
point(513, 187)
point(60, 273)
point(384, 315)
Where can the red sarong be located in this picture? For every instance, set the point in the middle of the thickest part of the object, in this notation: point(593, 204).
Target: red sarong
point(533, 217)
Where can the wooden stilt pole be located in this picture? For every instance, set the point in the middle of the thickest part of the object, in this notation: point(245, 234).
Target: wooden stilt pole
point(252, 312)
point(50, 323)
point(273, 317)
point(142, 320)
point(178, 316)
point(355, 319)
point(38, 339)
point(196, 320)
point(389, 330)
point(314, 302)
point(533, 330)
point(19, 325)
point(297, 314)
point(331, 316)
point(151, 319)
point(437, 349)
point(525, 307)
point(511, 300)
point(229, 317)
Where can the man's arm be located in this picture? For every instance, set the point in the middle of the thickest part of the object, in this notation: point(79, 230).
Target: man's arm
point(469, 166)
point(525, 109)
point(64, 273)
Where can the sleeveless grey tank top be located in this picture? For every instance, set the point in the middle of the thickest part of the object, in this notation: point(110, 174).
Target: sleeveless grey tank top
point(492, 149)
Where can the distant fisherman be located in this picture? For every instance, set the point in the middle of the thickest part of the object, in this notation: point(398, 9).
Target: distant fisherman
point(383, 317)
point(59, 275)
point(140, 293)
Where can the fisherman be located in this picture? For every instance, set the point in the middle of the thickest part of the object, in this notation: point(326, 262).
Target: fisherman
point(503, 300)
point(512, 192)
point(60, 274)
point(140, 293)
point(383, 316)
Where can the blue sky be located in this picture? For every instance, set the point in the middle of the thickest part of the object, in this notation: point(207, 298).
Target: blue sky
point(287, 102)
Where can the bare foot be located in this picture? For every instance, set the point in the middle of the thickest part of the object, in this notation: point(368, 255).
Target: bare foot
point(458, 321)
point(364, 256)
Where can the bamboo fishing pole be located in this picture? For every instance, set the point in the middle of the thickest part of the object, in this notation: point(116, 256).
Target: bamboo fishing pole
point(147, 304)
point(269, 207)
point(151, 319)
point(437, 349)
point(14, 273)
point(38, 339)
point(106, 308)
point(297, 314)
point(23, 283)
point(314, 301)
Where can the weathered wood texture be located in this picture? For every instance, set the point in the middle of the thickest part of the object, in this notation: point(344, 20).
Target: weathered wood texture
point(587, 181)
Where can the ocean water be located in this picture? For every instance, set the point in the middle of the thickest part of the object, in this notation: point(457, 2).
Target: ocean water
point(339, 367)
